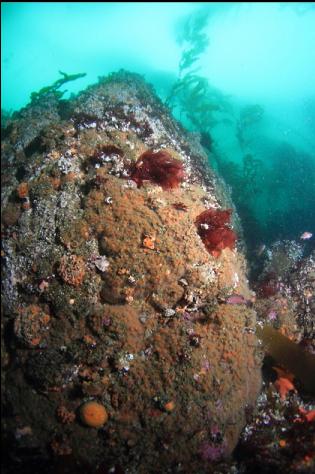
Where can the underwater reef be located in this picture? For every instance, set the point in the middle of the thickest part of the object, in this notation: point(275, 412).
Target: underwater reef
point(280, 436)
point(132, 341)
point(128, 331)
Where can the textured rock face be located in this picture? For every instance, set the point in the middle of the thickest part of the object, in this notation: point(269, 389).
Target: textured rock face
point(109, 293)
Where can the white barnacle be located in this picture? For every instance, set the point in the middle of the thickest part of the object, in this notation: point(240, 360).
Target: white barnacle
point(204, 226)
point(169, 312)
point(101, 263)
point(235, 279)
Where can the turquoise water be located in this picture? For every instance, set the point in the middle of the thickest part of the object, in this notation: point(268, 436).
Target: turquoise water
point(242, 75)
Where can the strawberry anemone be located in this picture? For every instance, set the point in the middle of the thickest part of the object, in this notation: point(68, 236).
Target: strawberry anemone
point(159, 168)
point(213, 229)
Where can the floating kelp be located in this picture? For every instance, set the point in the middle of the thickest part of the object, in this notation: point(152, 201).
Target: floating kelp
point(55, 86)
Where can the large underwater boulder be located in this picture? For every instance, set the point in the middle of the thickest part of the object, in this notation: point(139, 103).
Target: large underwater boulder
point(113, 294)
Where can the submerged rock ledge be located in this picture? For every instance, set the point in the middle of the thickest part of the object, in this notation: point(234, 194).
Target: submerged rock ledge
point(110, 295)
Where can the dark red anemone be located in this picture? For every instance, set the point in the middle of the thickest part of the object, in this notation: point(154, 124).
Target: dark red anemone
point(269, 285)
point(213, 229)
point(159, 168)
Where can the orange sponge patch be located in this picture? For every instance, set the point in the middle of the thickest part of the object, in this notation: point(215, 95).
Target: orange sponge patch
point(93, 414)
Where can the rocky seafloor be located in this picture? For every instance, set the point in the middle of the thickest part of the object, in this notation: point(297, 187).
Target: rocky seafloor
point(112, 295)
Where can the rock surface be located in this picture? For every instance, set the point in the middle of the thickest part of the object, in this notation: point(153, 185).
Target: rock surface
point(109, 293)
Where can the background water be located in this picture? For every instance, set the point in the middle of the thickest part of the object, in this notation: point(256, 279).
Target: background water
point(243, 74)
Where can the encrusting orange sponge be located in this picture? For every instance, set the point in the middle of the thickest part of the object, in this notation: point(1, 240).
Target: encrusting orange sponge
point(93, 414)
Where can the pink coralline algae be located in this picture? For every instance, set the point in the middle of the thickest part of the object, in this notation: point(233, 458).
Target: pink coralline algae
point(159, 168)
point(211, 451)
